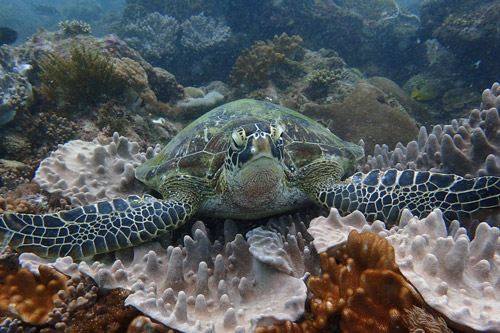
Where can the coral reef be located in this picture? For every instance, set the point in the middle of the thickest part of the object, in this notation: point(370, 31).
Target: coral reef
point(86, 172)
point(31, 297)
point(284, 244)
point(199, 286)
point(145, 324)
point(468, 31)
point(15, 89)
point(451, 272)
point(153, 36)
point(259, 63)
point(371, 113)
point(74, 28)
point(108, 314)
point(200, 32)
point(319, 82)
point(86, 78)
point(466, 147)
point(361, 283)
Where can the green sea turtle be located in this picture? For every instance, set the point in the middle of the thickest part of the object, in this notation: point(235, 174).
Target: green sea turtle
point(247, 159)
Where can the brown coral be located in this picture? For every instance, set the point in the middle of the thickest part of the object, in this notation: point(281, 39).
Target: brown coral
point(259, 62)
point(108, 314)
point(28, 296)
point(362, 284)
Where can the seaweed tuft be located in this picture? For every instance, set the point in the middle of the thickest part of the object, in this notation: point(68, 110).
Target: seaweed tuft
point(85, 78)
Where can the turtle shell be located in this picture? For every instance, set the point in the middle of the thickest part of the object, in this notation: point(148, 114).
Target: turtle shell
point(199, 149)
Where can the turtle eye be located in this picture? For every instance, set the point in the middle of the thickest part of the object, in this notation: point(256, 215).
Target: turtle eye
point(276, 131)
point(239, 137)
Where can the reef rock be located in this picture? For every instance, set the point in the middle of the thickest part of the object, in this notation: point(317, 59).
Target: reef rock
point(368, 114)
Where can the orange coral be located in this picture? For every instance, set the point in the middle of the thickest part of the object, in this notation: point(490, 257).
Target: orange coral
point(28, 296)
point(145, 324)
point(362, 284)
point(258, 62)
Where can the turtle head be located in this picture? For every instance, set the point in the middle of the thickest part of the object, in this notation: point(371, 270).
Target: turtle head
point(254, 146)
point(254, 163)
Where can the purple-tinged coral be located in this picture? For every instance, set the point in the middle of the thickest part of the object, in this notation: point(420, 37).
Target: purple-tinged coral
point(88, 171)
point(467, 147)
point(456, 276)
point(284, 244)
point(200, 286)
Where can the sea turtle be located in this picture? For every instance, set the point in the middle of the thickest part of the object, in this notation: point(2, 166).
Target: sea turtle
point(247, 159)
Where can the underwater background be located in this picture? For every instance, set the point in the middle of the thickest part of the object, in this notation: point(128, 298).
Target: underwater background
point(102, 85)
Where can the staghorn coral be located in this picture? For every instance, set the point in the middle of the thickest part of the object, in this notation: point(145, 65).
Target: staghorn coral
point(87, 77)
point(30, 296)
point(200, 32)
point(88, 171)
point(259, 63)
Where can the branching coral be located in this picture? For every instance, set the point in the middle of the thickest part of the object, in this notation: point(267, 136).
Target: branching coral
point(87, 77)
point(261, 61)
point(75, 27)
point(29, 296)
point(15, 90)
point(153, 36)
point(200, 32)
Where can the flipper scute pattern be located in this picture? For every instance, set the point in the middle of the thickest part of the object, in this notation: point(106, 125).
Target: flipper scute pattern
point(383, 195)
point(92, 229)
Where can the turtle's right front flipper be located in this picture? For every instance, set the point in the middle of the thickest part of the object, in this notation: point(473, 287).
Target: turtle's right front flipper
point(93, 229)
point(383, 195)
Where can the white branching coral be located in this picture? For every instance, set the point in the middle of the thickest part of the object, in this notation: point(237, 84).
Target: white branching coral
point(200, 32)
point(153, 36)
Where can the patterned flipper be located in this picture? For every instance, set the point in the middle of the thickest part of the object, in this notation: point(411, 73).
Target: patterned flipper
point(93, 229)
point(383, 195)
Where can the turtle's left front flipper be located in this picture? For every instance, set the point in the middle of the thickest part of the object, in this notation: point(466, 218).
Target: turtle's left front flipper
point(383, 195)
point(93, 229)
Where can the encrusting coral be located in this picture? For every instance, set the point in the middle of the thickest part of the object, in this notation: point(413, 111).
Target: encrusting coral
point(31, 297)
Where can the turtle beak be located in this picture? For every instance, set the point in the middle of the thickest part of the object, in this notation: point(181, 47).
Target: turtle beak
point(261, 147)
